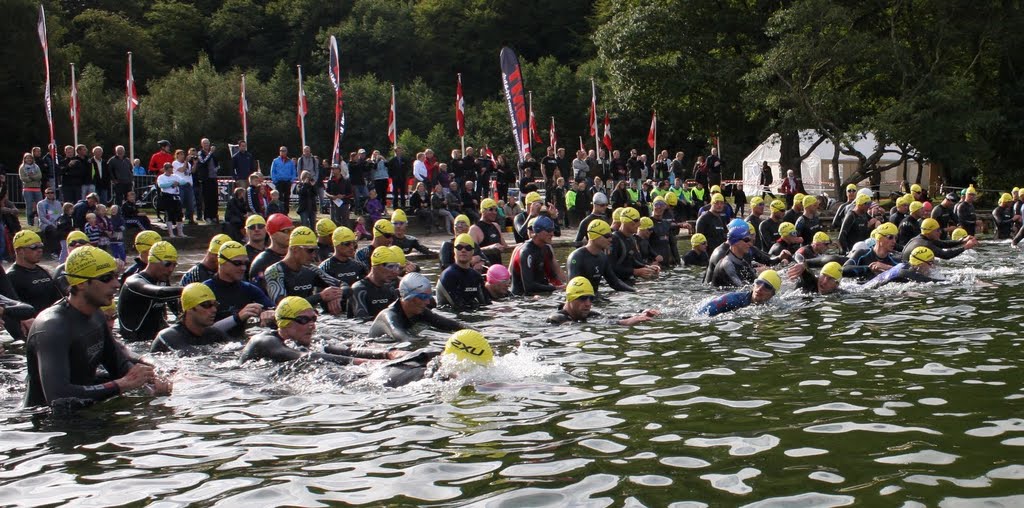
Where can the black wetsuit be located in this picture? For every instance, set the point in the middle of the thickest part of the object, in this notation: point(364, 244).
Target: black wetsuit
point(1004, 221)
point(128, 272)
point(855, 229)
point(198, 273)
point(14, 313)
point(624, 256)
point(446, 255)
point(943, 249)
point(64, 348)
point(492, 236)
point(460, 288)
point(966, 216)
point(142, 307)
point(896, 217)
point(909, 229)
point(594, 267)
point(660, 241)
point(363, 255)
point(369, 299)
point(945, 217)
point(270, 346)
point(34, 286)
point(756, 221)
point(393, 323)
point(837, 221)
point(519, 225)
point(178, 338)
point(529, 271)
point(806, 227)
point(282, 281)
point(792, 215)
point(808, 282)
point(259, 266)
point(807, 256)
point(712, 226)
point(753, 255)
point(733, 271)
point(324, 251)
point(410, 243)
point(902, 272)
point(560, 317)
point(348, 271)
point(859, 263)
point(234, 297)
point(644, 251)
point(581, 233)
point(782, 246)
point(252, 252)
point(768, 233)
point(694, 258)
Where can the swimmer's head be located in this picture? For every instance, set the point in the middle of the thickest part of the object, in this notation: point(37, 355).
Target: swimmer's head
point(216, 242)
point(579, 287)
point(195, 294)
point(497, 274)
point(415, 285)
point(469, 345)
point(326, 227)
point(958, 234)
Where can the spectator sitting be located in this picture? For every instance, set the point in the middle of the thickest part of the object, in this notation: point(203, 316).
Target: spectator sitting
point(116, 233)
point(360, 231)
point(374, 208)
point(275, 205)
point(92, 229)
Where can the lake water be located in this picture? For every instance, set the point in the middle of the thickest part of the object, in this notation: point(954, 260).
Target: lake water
point(910, 395)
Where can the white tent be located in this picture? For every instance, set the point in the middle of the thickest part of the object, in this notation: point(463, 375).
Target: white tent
point(816, 169)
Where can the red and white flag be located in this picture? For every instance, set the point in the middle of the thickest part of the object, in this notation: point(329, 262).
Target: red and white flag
point(302, 107)
point(607, 139)
point(460, 108)
point(74, 110)
point(130, 95)
point(243, 111)
point(533, 127)
point(392, 127)
point(488, 152)
point(652, 136)
point(41, 28)
point(553, 134)
point(334, 71)
point(593, 109)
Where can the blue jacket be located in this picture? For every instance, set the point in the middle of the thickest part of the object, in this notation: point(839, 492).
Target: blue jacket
point(283, 170)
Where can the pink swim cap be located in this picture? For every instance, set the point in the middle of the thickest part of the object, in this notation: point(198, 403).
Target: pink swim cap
point(498, 273)
point(928, 207)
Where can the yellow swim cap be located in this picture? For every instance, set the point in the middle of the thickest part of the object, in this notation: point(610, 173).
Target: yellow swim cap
point(462, 219)
point(646, 223)
point(163, 251)
point(904, 200)
point(971, 190)
point(254, 220)
point(598, 228)
point(787, 229)
point(487, 203)
point(715, 189)
point(533, 197)
point(862, 199)
point(717, 198)
point(798, 198)
point(833, 269)
point(194, 294)
point(915, 188)
point(143, 241)
point(302, 237)
point(851, 186)
point(464, 239)
point(342, 234)
point(325, 227)
point(469, 345)
point(617, 214)
point(671, 199)
point(88, 262)
point(399, 216)
point(578, 287)
point(921, 255)
point(928, 225)
point(698, 239)
point(629, 214)
point(24, 238)
point(821, 237)
point(753, 230)
point(216, 242)
point(756, 201)
point(289, 308)
point(78, 236)
point(915, 206)
point(383, 256)
point(772, 278)
point(958, 234)
point(1005, 198)
point(809, 200)
point(887, 229)
point(397, 251)
point(229, 251)
point(383, 227)
point(778, 206)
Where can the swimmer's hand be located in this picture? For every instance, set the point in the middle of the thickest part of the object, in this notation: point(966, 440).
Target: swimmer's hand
point(879, 267)
point(140, 374)
point(651, 313)
point(161, 386)
point(796, 271)
point(639, 318)
point(644, 272)
point(334, 307)
point(331, 294)
point(249, 311)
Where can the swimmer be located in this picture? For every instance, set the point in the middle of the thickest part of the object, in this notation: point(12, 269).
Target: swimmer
point(645, 252)
point(943, 249)
point(295, 275)
point(769, 229)
point(531, 262)
point(851, 195)
point(397, 320)
point(579, 300)
point(698, 255)
point(918, 269)
point(70, 340)
point(599, 210)
point(756, 210)
point(734, 269)
point(966, 215)
point(796, 210)
point(863, 264)
point(487, 232)
point(324, 245)
point(713, 223)
point(376, 291)
point(789, 240)
point(624, 256)
point(590, 261)
point(808, 224)
point(466, 346)
point(520, 224)
point(343, 265)
point(460, 286)
point(497, 283)
point(206, 268)
point(279, 228)
point(237, 298)
point(813, 255)
point(1004, 216)
point(407, 243)
point(31, 282)
point(446, 255)
point(143, 302)
point(857, 224)
point(143, 241)
point(256, 237)
point(383, 236)
point(764, 288)
point(825, 283)
point(198, 325)
point(76, 239)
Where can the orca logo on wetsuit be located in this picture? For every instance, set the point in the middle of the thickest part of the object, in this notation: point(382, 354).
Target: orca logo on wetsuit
point(382, 300)
point(302, 288)
point(467, 348)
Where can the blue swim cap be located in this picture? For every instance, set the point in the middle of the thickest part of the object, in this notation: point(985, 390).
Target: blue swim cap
point(738, 233)
point(737, 223)
point(543, 223)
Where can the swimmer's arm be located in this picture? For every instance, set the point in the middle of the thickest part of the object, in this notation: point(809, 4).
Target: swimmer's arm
point(139, 286)
point(391, 328)
point(16, 310)
point(442, 322)
point(613, 279)
point(55, 372)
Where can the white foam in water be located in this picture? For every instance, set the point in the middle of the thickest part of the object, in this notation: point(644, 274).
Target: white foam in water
point(805, 452)
point(932, 401)
point(739, 404)
point(823, 476)
point(998, 428)
point(932, 457)
point(651, 480)
point(1016, 441)
point(685, 462)
point(809, 499)
point(986, 502)
point(815, 382)
point(733, 483)
point(1014, 472)
point(889, 490)
point(555, 468)
point(934, 369)
point(885, 428)
point(603, 445)
point(933, 481)
point(738, 446)
point(832, 406)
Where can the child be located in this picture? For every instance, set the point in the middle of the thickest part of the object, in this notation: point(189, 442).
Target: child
point(65, 224)
point(374, 208)
point(117, 227)
point(274, 206)
point(361, 232)
point(92, 229)
point(103, 222)
point(137, 169)
point(308, 200)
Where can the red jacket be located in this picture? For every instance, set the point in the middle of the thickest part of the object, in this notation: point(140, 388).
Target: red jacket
point(157, 161)
point(785, 187)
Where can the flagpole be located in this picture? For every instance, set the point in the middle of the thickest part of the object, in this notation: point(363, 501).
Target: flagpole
point(655, 157)
point(462, 136)
point(597, 133)
point(131, 116)
point(395, 109)
point(529, 128)
point(243, 110)
point(75, 106)
point(302, 117)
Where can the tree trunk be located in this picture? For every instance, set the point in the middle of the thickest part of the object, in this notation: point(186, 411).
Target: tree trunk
point(836, 174)
point(789, 153)
point(876, 183)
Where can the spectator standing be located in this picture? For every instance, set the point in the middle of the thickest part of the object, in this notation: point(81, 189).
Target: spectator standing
point(419, 168)
point(340, 192)
point(282, 173)
point(791, 186)
point(206, 170)
point(307, 204)
point(357, 172)
point(714, 164)
point(120, 173)
point(379, 172)
point(242, 164)
point(182, 172)
point(31, 185)
point(98, 177)
point(162, 156)
point(766, 180)
point(398, 170)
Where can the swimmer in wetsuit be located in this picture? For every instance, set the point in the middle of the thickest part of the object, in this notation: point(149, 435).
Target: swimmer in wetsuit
point(487, 233)
point(599, 210)
point(31, 282)
point(789, 240)
point(197, 326)
point(917, 269)
point(531, 263)
point(813, 255)
point(324, 239)
point(70, 340)
point(295, 275)
point(235, 297)
point(460, 286)
point(590, 261)
point(412, 307)
point(143, 242)
point(206, 268)
point(143, 302)
point(808, 224)
point(966, 215)
point(579, 300)
point(407, 243)
point(734, 269)
point(943, 249)
point(383, 236)
point(698, 255)
point(857, 224)
point(343, 265)
point(75, 240)
point(468, 347)
point(624, 255)
point(279, 228)
point(1004, 216)
point(863, 264)
point(446, 255)
point(256, 238)
point(826, 283)
point(376, 291)
point(497, 284)
point(765, 287)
